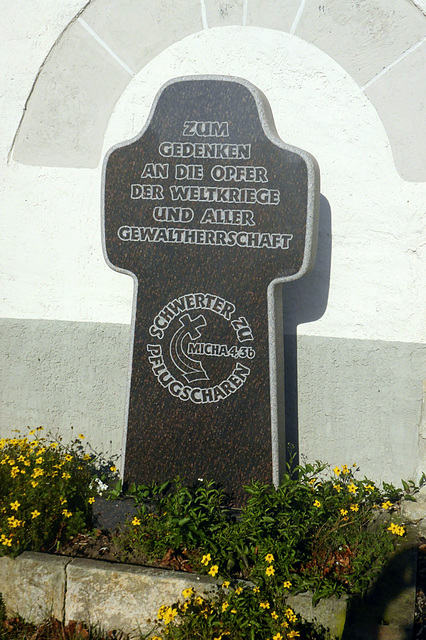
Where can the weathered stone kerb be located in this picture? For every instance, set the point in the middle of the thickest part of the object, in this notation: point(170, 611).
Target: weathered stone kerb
point(117, 596)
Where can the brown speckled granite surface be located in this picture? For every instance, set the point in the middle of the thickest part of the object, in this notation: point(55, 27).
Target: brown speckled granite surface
point(229, 438)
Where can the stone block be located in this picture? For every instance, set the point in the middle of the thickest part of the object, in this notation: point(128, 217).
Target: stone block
point(364, 36)
point(224, 13)
point(71, 103)
point(33, 585)
point(272, 14)
point(401, 91)
point(137, 30)
point(415, 512)
point(122, 596)
point(329, 613)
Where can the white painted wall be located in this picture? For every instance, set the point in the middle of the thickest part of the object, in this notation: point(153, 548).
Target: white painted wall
point(360, 389)
point(52, 263)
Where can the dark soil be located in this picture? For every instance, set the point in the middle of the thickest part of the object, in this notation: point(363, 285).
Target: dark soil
point(108, 516)
point(99, 545)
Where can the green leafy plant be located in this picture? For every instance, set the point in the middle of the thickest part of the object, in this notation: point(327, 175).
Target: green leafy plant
point(174, 516)
point(329, 535)
point(46, 491)
point(320, 530)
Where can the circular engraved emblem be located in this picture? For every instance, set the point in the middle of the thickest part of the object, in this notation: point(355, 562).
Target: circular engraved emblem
point(201, 349)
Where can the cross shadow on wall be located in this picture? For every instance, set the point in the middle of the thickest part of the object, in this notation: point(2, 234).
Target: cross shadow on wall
point(304, 300)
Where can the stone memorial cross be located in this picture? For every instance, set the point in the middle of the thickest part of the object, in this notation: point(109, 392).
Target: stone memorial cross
point(210, 212)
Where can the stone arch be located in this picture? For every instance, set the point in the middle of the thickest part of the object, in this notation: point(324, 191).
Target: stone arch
point(381, 45)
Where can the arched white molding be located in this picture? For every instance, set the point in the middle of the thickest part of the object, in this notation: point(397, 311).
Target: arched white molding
point(382, 46)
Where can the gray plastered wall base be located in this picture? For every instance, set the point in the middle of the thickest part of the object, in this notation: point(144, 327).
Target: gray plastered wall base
point(357, 400)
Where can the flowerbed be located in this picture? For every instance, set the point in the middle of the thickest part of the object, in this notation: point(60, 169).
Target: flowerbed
point(321, 530)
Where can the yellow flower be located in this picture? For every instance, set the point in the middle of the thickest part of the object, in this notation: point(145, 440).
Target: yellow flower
point(352, 488)
point(7, 542)
point(169, 615)
point(14, 522)
point(290, 615)
point(206, 559)
point(136, 522)
point(337, 471)
point(396, 529)
point(199, 600)
point(233, 611)
point(278, 636)
point(35, 514)
point(15, 505)
point(187, 593)
point(293, 634)
point(213, 570)
point(312, 481)
point(37, 472)
point(317, 504)
point(225, 585)
point(39, 460)
point(66, 475)
point(53, 445)
point(68, 457)
point(344, 512)
point(14, 472)
point(345, 469)
point(34, 483)
point(256, 590)
point(81, 436)
point(269, 557)
point(86, 457)
point(369, 487)
point(67, 513)
point(287, 584)
point(354, 507)
point(225, 605)
point(238, 590)
point(386, 505)
point(274, 615)
point(338, 487)
point(270, 570)
point(264, 605)
point(113, 468)
point(91, 500)
point(161, 611)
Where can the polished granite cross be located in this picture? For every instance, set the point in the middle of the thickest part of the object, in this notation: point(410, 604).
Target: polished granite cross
point(210, 212)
